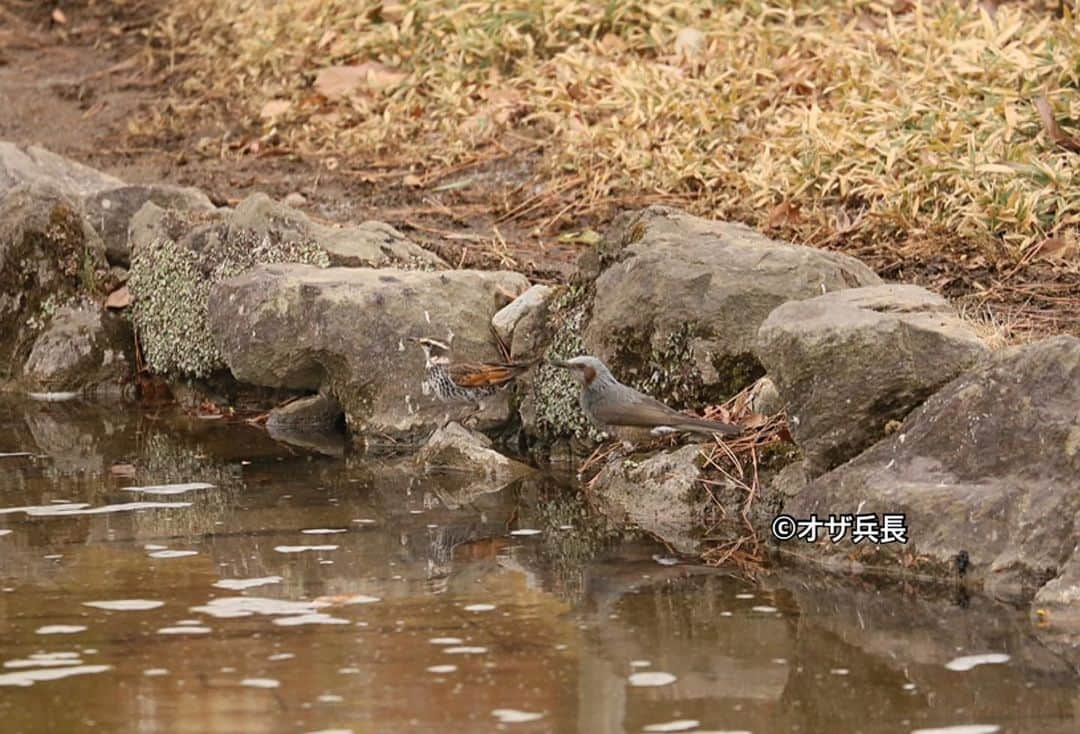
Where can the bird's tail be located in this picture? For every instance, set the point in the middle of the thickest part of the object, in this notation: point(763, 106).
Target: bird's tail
point(705, 426)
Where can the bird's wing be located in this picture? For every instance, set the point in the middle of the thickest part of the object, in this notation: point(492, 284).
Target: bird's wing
point(632, 408)
point(482, 374)
point(636, 409)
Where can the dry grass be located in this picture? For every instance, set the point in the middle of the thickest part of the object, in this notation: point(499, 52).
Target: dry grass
point(897, 131)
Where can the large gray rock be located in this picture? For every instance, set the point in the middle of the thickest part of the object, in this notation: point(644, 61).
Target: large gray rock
point(22, 165)
point(344, 329)
point(110, 212)
point(82, 348)
point(49, 257)
point(178, 255)
point(849, 362)
point(176, 258)
point(662, 495)
point(987, 469)
point(679, 300)
point(369, 244)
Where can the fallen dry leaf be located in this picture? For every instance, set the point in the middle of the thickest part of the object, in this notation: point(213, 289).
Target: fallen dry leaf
point(1053, 129)
point(119, 298)
point(1052, 248)
point(58, 16)
point(338, 82)
point(412, 181)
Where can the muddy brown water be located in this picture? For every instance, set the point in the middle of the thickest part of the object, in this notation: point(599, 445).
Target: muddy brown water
point(367, 597)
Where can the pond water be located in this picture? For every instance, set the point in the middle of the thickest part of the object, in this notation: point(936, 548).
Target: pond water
point(287, 590)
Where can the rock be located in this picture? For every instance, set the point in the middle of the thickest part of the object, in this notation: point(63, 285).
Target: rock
point(314, 412)
point(294, 199)
point(80, 349)
point(110, 212)
point(344, 329)
point(119, 298)
point(765, 398)
point(508, 317)
point(680, 303)
point(369, 244)
point(29, 165)
point(988, 467)
point(177, 257)
point(49, 257)
point(849, 362)
point(661, 495)
point(453, 448)
point(310, 422)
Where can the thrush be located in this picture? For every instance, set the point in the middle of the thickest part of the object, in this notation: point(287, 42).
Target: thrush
point(452, 381)
point(611, 404)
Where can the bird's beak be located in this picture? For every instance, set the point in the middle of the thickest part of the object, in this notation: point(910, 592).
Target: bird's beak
point(559, 363)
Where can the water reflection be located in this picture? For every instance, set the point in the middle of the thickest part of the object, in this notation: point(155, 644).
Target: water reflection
point(411, 606)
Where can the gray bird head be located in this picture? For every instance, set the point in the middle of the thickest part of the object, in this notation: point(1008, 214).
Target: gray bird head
point(586, 370)
point(434, 350)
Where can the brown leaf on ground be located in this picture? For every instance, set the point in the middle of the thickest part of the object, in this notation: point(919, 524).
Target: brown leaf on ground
point(338, 82)
point(274, 108)
point(1052, 248)
point(119, 298)
point(1053, 129)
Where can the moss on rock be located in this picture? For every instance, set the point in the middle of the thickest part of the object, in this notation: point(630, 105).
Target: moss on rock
point(171, 277)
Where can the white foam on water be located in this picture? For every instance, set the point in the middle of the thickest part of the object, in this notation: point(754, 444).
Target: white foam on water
point(282, 656)
point(166, 489)
point(52, 397)
point(30, 677)
point(446, 640)
point(324, 531)
point(5, 531)
point(227, 607)
point(513, 716)
point(330, 698)
point(479, 607)
point(302, 548)
point(960, 729)
point(839, 671)
point(640, 663)
point(364, 521)
point(764, 609)
point(184, 630)
point(60, 629)
point(676, 725)
point(64, 511)
point(348, 671)
point(260, 683)
point(442, 669)
point(35, 661)
point(466, 650)
point(155, 672)
point(241, 584)
point(154, 547)
point(665, 560)
point(651, 678)
point(313, 618)
point(173, 553)
point(526, 531)
point(331, 731)
point(744, 596)
point(14, 454)
point(125, 605)
point(28, 509)
point(968, 662)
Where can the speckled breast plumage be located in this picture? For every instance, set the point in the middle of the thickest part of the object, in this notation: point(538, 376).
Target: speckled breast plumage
point(437, 383)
